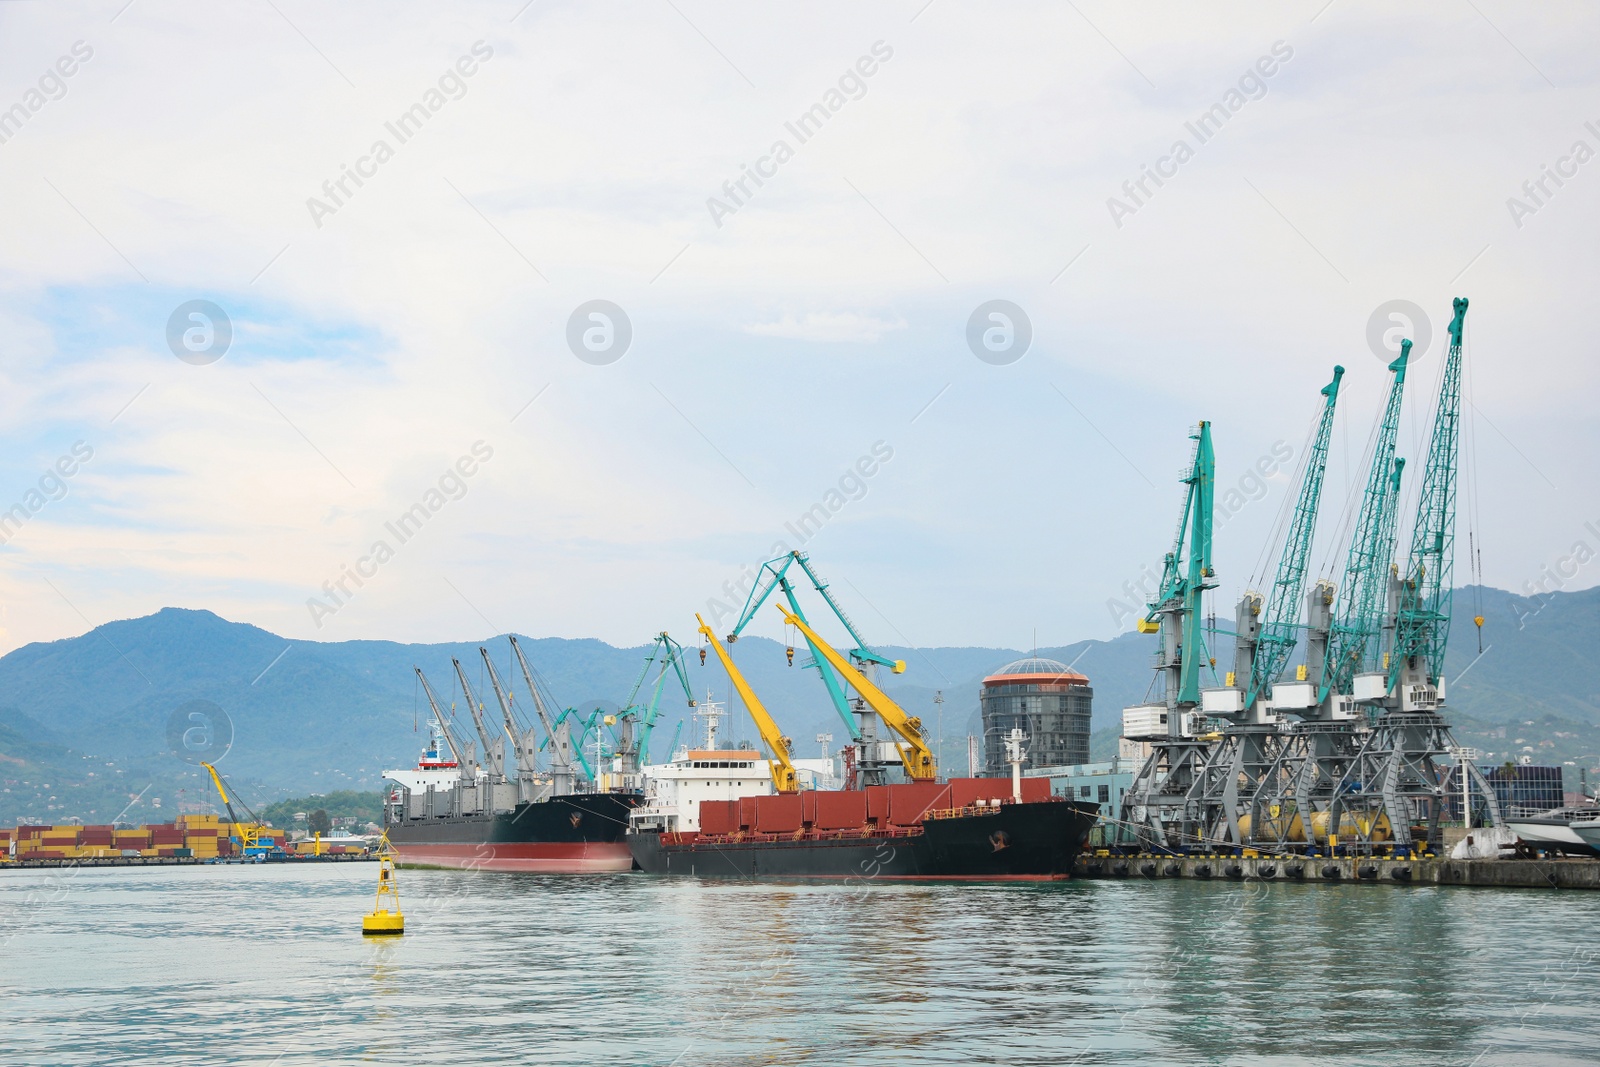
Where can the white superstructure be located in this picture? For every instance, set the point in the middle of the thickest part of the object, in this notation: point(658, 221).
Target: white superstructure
point(674, 790)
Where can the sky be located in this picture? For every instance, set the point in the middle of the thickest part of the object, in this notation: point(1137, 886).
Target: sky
point(398, 220)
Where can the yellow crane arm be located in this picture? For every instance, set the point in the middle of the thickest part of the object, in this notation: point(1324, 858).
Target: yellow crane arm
point(249, 833)
point(918, 758)
point(217, 778)
point(784, 776)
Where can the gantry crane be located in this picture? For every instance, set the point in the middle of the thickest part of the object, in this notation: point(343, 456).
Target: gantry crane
point(784, 777)
point(914, 753)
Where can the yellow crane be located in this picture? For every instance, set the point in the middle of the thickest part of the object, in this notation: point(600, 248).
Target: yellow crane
point(916, 755)
point(249, 833)
point(784, 776)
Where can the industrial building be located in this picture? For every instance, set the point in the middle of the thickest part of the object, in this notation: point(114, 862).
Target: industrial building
point(1048, 701)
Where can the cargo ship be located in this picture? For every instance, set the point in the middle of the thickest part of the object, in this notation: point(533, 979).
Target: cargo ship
point(963, 829)
point(455, 810)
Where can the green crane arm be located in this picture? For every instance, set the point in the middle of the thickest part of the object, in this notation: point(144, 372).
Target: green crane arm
point(1357, 613)
point(1186, 568)
point(1422, 626)
point(672, 656)
point(1279, 632)
point(774, 575)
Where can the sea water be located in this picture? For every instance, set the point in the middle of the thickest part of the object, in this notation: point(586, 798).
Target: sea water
point(267, 965)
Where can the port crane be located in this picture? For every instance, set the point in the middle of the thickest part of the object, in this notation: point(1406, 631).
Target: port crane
point(563, 778)
point(1358, 609)
point(639, 721)
point(1395, 780)
point(1157, 801)
point(784, 777)
point(524, 744)
point(494, 742)
point(1247, 759)
point(249, 834)
point(774, 575)
point(461, 751)
point(914, 753)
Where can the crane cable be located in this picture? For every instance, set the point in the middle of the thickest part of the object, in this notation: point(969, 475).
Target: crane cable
point(1474, 530)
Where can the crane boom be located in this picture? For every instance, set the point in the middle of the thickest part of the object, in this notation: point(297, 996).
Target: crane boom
point(463, 762)
point(558, 733)
point(1279, 632)
point(1423, 623)
point(494, 748)
point(1358, 608)
point(784, 776)
point(523, 741)
point(917, 757)
point(249, 832)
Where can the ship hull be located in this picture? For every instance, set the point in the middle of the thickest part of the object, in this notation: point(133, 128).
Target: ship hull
point(583, 833)
point(1017, 842)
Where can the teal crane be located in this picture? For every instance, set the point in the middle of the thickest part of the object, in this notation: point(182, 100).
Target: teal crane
point(1176, 610)
point(1362, 596)
point(670, 654)
point(774, 575)
point(1279, 632)
point(1422, 624)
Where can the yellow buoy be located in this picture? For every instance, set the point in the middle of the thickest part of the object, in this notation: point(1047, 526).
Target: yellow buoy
point(385, 920)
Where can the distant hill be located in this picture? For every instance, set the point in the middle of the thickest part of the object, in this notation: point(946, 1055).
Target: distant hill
point(86, 720)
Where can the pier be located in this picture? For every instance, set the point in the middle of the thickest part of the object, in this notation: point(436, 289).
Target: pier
point(1427, 870)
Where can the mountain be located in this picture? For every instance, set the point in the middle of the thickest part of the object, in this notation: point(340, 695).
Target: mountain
point(89, 723)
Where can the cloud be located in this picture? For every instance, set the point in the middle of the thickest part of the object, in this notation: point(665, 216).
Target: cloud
point(827, 327)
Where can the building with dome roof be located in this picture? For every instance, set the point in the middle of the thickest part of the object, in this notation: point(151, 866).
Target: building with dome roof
point(1049, 701)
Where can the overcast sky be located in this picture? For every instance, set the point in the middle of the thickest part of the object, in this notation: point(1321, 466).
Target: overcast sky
point(514, 163)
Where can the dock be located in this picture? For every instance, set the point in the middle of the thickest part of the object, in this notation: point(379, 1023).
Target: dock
point(1426, 870)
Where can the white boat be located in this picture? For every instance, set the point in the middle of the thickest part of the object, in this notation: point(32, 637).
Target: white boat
point(1554, 830)
point(1588, 831)
point(674, 790)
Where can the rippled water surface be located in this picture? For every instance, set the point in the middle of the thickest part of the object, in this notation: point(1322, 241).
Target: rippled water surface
point(222, 965)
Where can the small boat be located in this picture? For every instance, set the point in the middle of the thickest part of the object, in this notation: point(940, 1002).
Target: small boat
point(1554, 830)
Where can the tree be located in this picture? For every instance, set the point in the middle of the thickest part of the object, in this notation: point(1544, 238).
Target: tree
point(319, 822)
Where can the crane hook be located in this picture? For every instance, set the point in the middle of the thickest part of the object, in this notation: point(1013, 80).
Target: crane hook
point(789, 652)
point(702, 657)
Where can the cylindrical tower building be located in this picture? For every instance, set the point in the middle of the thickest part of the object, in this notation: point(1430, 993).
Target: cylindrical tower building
point(1048, 701)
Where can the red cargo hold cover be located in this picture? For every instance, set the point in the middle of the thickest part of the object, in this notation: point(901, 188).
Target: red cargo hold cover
point(778, 814)
point(843, 810)
point(719, 816)
point(909, 804)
